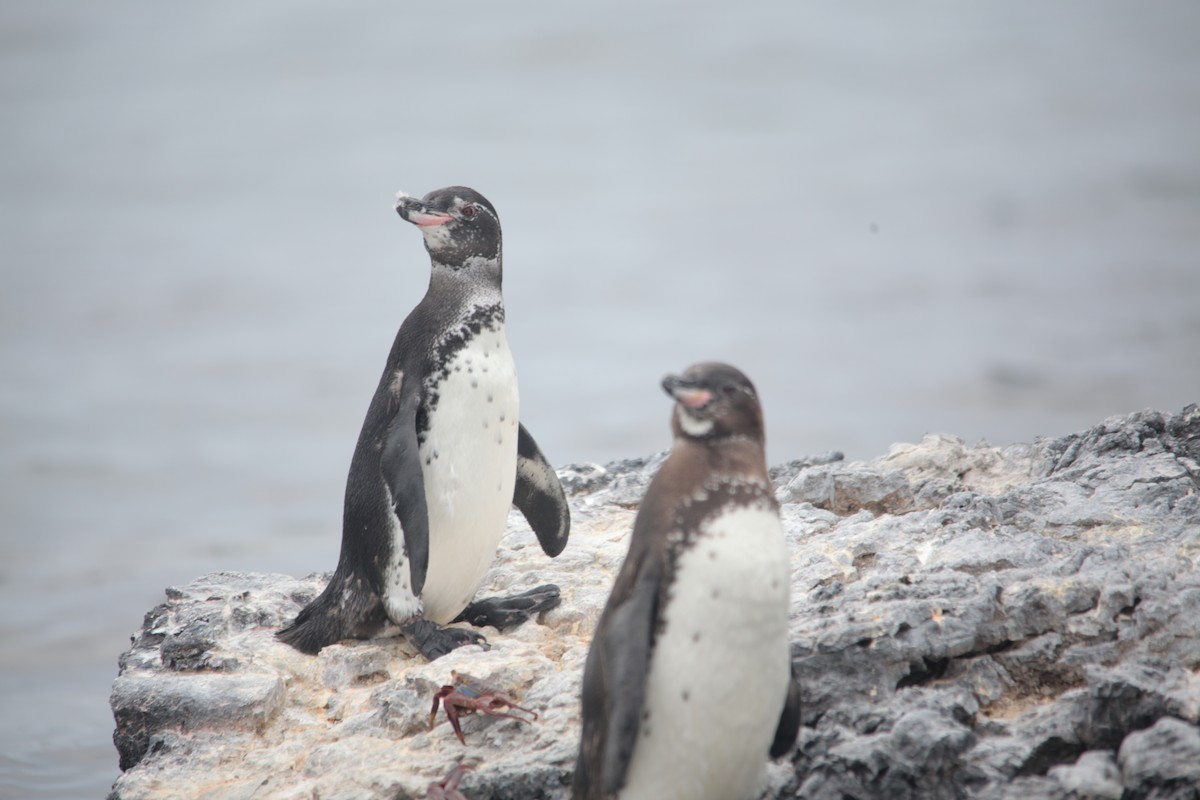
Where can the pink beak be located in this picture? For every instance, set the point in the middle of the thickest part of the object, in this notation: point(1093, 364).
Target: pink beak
point(692, 398)
point(419, 214)
point(428, 220)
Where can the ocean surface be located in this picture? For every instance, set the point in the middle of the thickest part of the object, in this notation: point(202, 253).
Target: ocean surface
point(980, 219)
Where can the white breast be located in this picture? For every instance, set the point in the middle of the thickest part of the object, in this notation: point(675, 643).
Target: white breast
point(469, 459)
point(720, 667)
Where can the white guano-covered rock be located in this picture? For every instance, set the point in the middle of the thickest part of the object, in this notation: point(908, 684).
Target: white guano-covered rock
point(967, 621)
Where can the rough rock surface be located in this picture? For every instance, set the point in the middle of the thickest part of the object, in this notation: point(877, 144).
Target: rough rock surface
point(966, 621)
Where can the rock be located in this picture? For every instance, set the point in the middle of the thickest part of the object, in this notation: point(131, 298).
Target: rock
point(1162, 761)
point(142, 703)
point(967, 621)
point(847, 488)
point(1095, 774)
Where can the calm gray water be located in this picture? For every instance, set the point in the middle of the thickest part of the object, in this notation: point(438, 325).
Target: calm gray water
point(983, 221)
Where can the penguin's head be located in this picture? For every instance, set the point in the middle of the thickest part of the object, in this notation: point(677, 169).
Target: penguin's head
point(460, 226)
point(714, 401)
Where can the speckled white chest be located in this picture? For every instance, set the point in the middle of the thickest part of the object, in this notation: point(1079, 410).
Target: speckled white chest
point(719, 671)
point(469, 461)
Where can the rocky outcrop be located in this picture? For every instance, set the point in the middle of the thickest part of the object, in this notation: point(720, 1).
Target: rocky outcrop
point(967, 621)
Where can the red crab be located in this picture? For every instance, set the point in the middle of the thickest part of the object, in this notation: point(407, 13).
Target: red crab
point(462, 698)
point(447, 787)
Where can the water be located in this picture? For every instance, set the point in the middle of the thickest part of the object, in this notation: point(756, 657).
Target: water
point(895, 219)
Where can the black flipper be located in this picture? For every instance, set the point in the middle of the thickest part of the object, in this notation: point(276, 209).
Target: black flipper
point(614, 688)
point(400, 463)
point(505, 612)
point(350, 605)
point(789, 719)
point(540, 496)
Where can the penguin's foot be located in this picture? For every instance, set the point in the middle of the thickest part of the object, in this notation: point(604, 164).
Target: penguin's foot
point(434, 641)
point(505, 612)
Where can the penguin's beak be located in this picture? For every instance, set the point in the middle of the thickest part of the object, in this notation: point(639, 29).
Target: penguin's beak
point(685, 393)
point(413, 210)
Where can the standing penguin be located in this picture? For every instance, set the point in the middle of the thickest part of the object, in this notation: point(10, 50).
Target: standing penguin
point(688, 685)
point(441, 458)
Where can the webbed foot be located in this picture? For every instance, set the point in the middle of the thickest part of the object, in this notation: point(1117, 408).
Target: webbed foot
point(434, 641)
point(505, 612)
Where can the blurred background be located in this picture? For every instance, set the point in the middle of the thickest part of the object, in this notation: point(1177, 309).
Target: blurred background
point(896, 219)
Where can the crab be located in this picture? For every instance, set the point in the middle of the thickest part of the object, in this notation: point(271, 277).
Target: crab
point(462, 698)
point(447, 787)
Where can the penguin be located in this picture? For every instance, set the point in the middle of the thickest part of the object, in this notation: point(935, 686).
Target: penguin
point(440, 459)
point(688, 685)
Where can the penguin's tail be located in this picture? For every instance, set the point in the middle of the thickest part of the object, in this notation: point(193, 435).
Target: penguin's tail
point(335, 614)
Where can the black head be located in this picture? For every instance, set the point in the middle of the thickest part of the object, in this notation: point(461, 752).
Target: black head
point(459, 225)
point(714, 401)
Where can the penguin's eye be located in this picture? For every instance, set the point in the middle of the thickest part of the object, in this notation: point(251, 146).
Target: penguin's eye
point(729, 389)
point(468, 211)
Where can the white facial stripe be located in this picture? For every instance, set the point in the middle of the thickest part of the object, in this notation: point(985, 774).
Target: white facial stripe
point(479, 207)
point(436, 236)
point(693, 426)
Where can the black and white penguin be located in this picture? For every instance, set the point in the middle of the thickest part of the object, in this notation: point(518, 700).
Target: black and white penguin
point(441, 458)
point(688, 686)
